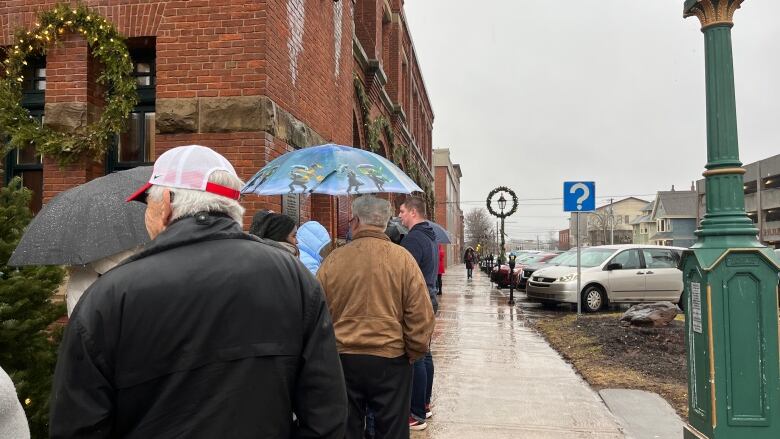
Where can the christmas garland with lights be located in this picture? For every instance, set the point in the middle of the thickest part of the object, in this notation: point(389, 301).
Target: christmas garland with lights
point(107, 46)
point(514, 201)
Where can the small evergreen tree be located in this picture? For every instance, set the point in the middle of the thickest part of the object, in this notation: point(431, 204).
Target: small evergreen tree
point(27, 340)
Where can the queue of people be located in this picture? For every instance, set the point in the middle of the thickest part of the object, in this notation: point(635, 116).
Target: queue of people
point(208, 330)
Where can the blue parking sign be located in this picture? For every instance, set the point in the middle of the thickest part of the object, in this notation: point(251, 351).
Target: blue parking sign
point(579, 196)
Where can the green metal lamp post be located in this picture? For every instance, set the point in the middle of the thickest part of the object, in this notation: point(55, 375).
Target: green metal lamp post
point(730, 279)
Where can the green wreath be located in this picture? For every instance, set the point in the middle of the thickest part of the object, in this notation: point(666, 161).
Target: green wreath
point(107, 46)
point(514, 201)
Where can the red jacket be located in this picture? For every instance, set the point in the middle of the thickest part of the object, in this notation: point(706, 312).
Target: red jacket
point(441, 259)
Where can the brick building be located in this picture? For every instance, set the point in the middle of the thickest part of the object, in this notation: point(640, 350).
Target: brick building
point(447, 199)
point(392, 114)
point(563, 240)
point(252, 80)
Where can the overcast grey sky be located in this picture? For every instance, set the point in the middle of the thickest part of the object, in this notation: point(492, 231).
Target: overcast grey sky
point(531, 93)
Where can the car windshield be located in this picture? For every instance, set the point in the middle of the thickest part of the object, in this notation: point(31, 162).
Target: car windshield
point(564, 258)
point(537, 258)
point(589, 257)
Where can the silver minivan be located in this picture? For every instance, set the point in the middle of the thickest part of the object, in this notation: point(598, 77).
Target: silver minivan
point(629, 273)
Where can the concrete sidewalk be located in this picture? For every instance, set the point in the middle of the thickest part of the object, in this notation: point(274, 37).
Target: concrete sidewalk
point(497, 378)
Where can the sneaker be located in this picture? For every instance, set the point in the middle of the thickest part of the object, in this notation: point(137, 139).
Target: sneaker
point(416, 425)
point(428, 412)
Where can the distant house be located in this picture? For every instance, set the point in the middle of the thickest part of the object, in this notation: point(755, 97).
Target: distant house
point(644, 225)
point(674, 214)
point(610, 223)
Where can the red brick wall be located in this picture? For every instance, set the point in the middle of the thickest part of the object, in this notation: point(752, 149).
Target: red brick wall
point(218, 48)
point(66, 70)
point(563, 240)
point(440, 191)
point(385, 42)
point(319, 96)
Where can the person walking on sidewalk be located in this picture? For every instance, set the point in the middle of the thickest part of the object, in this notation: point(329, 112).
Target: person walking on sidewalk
point(442, 264)
point(469, 259)
point(206, 332)
point(421, 243)
point(382, 317)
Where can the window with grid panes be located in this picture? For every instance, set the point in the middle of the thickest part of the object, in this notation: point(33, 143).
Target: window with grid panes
point(135, 145)
point(26, 162)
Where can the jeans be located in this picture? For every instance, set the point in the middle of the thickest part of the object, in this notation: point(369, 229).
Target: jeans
point(422, 373)
point(422, 385)
point(469, 272)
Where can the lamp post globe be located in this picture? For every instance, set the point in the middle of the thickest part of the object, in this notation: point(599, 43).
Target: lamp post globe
point(502, 202)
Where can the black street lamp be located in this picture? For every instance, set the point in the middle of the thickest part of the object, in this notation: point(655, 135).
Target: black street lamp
point(502, 191)
point(501, 207)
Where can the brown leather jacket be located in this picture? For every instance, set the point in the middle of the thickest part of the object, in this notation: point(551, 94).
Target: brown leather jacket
point(377, 298)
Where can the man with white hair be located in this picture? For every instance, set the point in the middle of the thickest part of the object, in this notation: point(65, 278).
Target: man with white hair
point(382, 317)
point(207, 332)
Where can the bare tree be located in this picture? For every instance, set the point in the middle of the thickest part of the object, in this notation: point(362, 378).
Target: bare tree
point(599, 223)
point(479, 228)
point(552, 240)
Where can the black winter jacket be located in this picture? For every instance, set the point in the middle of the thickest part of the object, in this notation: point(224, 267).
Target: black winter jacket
point(207, 333)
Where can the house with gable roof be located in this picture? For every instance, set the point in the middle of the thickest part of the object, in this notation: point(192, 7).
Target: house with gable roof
point(644, 226)
point(674, 214)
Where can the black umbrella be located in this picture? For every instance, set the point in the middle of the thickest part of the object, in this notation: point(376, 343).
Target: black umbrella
point(86, 223)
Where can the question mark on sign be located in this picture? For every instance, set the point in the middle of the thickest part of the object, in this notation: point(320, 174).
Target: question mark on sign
point(585, 193)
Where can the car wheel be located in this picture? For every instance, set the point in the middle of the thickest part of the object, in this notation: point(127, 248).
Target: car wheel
point(593, 299)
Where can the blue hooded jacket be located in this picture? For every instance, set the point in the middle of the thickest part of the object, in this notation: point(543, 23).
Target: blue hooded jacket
point(312, 238)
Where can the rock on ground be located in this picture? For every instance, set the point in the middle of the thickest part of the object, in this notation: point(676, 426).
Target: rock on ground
point(650, 314)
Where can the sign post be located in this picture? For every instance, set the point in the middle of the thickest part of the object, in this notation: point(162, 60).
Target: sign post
point(579, 196)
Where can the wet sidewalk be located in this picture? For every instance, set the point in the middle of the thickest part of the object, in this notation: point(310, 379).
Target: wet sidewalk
point(496, 378)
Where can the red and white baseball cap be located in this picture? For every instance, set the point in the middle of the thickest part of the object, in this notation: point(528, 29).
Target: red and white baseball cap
point(188, 167)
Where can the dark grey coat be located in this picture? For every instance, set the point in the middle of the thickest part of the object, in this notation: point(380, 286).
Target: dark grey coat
point(207, 333)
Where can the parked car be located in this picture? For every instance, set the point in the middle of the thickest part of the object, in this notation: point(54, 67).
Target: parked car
point(531, 267)
point(500, 273)
point(540, 258)
point(629, 273)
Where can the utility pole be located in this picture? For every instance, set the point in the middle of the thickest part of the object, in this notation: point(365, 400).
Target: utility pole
point(611, 222)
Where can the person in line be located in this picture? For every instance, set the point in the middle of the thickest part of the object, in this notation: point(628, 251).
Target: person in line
point(207, 332)
point(13, 422)
point(421, 243)
point(276, 227)
point(382, 318)
point(80, 277)
point(314, 244)
point(442, 269)
point(469, 258)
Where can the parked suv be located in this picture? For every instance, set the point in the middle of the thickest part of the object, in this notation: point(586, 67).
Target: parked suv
point(628, 273)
